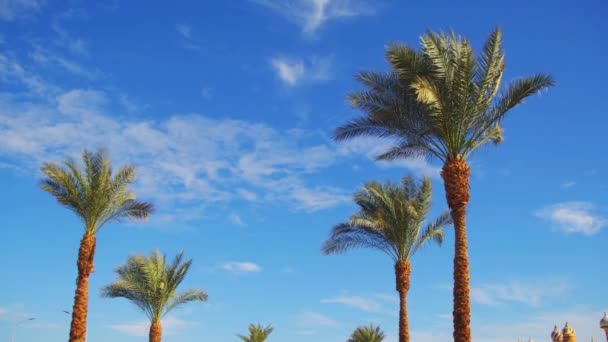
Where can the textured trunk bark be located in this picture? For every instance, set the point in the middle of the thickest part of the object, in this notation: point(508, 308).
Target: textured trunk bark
point(78, 328)
point(402, 275)
point(156, 331)
point(455, 174)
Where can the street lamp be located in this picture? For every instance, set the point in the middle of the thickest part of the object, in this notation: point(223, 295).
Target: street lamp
point(604, 324)
point(18, 324)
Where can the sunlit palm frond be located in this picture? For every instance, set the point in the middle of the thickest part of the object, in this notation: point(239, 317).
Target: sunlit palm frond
point(257, 333)
point(151, 284)
point(92, 192)
point(439, 101)
point(389, 219)
point(369, 333)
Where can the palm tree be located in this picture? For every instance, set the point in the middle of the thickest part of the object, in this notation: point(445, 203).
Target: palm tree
point(151, 284)
point(367, 334)
point(390, 219)
point(444, 103)
point(96, 197)
point(257, 333)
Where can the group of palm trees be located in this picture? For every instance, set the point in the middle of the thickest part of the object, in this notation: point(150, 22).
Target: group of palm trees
point(440, 102)
point(97, 196)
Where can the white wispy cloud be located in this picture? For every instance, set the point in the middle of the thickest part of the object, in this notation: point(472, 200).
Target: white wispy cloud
point(295, 71)
point(357, 302)
point(188, 41)
point(66, 39)
point(171, 326)
point(530, 293)
point(311, 15)
point(184, 159)
point(288, 270)
point(378, 303)
point(568, 184)
point(372, 147)
point(241, 267)
point(184, 30)
point(12, 9)
point(236, 219)
point(185, 162)
point(53, 61)
point(206, 93)
point(82, 103)
point(247, 194)
point(12, 71)
point(313, 319)
point(573, 217)
point(289, 71)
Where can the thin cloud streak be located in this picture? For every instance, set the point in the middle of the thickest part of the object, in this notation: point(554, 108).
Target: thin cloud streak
point(311, 15)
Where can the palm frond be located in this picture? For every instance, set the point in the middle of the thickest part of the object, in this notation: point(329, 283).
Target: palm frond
point(92, 192)
point(403, 151)
point(516, 93)
point(389, 219)
point(439, 101)
point(434, 231)
point(151, 284)
point(369, 333)
point(257, 333)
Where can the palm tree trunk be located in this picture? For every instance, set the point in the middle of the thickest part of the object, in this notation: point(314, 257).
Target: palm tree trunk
point(455, 174)
point(78, 328)
point(156, 331)
point(402, 275)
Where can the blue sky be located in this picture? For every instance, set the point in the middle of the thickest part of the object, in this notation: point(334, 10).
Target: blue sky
point(226, 108)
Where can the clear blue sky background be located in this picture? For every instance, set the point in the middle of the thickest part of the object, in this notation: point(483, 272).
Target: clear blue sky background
point(226, 108)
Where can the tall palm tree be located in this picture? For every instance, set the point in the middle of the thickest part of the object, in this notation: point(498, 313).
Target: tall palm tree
point(151, 284)
point(96, 196)
point(390, 219)
point(257, 333)
point(444, 103)
point(367, 334)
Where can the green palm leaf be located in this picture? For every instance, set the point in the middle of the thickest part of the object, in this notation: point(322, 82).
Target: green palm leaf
point(390, 219)
point(151, 284)
point(257, 333)
point(369, 333)
point(92, 192)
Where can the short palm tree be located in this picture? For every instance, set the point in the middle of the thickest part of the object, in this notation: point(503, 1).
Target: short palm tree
point(257, 333)
point(367, 334)
point(151, 284)
point(390, 219)
point(441, 102)
point(96, 196)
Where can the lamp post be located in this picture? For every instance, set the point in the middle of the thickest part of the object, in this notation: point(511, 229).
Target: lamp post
point(604, 324)
point(18, 324)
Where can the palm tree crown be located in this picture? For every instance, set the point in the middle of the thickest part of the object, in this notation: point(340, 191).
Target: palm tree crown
point(257, 333)
point(367, 334)
point(151, 284)
point(94, 194)
point(441, 101)
point(390, 219)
